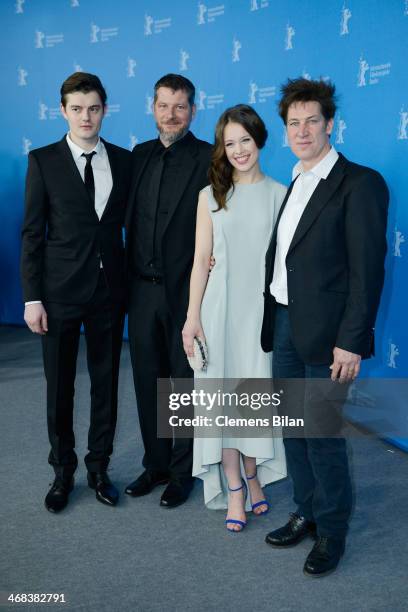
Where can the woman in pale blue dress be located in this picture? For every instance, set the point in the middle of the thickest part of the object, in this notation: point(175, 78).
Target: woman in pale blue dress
point(235, 217)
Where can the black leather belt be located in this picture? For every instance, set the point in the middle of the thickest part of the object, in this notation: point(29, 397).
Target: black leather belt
point(156, 280)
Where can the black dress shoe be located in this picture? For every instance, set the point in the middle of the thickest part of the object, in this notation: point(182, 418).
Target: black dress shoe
point(146, 483)
point(57, 496)
point(176, 493)
point(293, 532)
point(324, 557)
point(105, 491)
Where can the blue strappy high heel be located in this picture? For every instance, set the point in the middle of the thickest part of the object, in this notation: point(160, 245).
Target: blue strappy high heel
point(236, 521)
point(263, 502)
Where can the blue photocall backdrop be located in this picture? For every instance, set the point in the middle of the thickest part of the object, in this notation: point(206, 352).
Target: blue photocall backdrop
point(233, 51)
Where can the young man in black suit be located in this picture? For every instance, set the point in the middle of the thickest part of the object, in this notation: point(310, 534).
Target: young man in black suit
point(72, 270)
point(324, 277)
point(168, 174)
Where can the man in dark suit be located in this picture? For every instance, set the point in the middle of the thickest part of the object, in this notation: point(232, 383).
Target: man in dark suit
point(72, 270)
point(324, 277)
point(168, 174)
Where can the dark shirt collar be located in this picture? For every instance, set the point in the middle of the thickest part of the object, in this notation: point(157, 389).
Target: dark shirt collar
point(177, 146)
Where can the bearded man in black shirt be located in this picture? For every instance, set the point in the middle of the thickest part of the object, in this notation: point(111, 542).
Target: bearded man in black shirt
point(168, 174)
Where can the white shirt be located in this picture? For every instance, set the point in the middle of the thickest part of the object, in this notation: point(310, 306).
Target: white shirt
point(300, 195)
point(101, 171)
point(102, 176)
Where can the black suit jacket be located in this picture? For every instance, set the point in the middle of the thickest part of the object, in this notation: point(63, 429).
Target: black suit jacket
point(63, 238)
point(178, 240)
point(335, 266)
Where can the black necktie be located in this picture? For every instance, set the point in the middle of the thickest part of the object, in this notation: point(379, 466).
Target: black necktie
point(89, 177)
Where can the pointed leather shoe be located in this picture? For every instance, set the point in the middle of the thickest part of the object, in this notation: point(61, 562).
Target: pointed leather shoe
point(105, 491)
point(176, 493)
point(57, 496)
point(292, 533)
point(324, 557)
point(146, 483)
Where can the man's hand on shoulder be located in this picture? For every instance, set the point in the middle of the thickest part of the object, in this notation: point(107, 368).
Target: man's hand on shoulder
point(345, 366)
point(36, 318)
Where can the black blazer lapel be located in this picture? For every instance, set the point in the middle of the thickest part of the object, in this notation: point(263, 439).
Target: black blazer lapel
point(137, 175)
point(187, 166)
point(319, 199)
point(114, 166)
point(270, 253)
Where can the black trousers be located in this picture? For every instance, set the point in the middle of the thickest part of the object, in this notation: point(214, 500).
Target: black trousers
point(156, 351)
point(103, 326)
point(318, 466)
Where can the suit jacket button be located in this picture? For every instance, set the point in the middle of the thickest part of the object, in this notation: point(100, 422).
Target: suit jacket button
point(291, 301)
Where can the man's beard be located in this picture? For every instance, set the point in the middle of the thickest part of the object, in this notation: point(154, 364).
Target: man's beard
point(171, 137)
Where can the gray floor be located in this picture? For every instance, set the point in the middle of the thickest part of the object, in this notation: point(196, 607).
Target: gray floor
point(141, 557)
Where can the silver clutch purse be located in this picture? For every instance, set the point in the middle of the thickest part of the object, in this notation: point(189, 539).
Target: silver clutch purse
point(199, 361)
